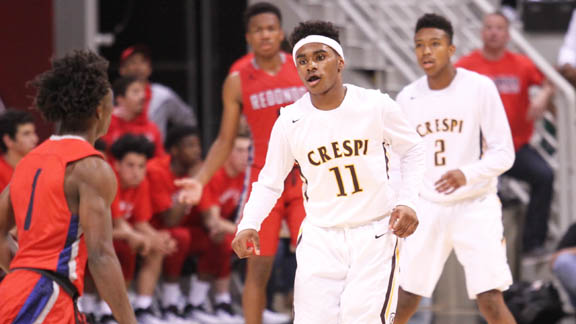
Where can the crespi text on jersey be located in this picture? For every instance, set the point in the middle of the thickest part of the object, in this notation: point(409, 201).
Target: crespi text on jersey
point(337, 150)
point(275, 97)
point(440, 125)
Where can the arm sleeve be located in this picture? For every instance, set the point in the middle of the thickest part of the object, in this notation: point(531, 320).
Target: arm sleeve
point(161, 195)
point(567, 53)
point(270, 184)
point(209, 196)
point(409, 148)
point(498, 155)
point(180, 112)
point(143, 205)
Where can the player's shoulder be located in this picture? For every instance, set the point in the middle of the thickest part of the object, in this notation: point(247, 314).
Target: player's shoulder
point(161, 90)
point(295, 110)
point(412, 89)
point(472, 77)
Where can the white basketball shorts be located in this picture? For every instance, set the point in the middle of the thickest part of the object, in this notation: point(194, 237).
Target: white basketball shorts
point(346, 275)
point(473, 228)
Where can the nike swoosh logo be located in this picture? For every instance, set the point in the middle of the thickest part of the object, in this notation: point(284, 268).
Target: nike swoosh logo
point(379, 236)
point(295, 120)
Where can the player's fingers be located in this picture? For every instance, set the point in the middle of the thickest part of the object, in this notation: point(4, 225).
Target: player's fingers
point(393, 219)
point(256, 243)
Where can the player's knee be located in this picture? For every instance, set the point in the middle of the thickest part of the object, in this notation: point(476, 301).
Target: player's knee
point(407, 301)
point(491, 304)
point(259, 269)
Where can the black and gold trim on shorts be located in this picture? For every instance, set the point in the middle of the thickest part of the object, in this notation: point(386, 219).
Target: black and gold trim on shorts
point(387, 311)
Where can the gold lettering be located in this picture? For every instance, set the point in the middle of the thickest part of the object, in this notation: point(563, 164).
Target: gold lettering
point(357, 146)
point(325, 157)
point(310, 159)
point(336, 150)
point(347, 147)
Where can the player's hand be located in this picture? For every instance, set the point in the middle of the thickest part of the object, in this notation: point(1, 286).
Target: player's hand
point(140, 244)
point(450, 181)
point(164, 243)
point(241, 246)
point(191, 191)
point(403, 221)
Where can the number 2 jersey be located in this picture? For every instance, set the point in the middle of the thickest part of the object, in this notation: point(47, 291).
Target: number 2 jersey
point(49, 235)
point(342, 158)
point(464, 126)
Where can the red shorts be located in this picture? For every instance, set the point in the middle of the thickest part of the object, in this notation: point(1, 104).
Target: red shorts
point(189, 241)
point(27, 297)
point(127, 258)
point(217, 262)
point(290, 207)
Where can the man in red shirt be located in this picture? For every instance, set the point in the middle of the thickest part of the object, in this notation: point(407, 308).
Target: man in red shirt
point(514, 74)
point(218, 206)
point(129, 114)
point(258, 90)
point(18, 135)
point(181, 220)
point(133, 234)
point(59, 199)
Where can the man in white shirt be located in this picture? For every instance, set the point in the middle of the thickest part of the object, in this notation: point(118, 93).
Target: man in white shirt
point(468, 144)
point(348, 245)
point(567, 54)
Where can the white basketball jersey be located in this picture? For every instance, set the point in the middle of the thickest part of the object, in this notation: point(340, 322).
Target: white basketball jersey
point(342, 158)
point(464, 126)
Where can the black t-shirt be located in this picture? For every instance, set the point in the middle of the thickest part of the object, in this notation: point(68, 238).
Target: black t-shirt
point(569, 239)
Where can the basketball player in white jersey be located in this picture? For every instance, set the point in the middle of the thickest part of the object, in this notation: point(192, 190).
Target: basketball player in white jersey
point(348, 245)
point(468, 144)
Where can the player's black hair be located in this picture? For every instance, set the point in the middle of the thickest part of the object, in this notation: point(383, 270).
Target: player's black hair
point(431, 20)
point(314, 27)
point(176, 133)
point(71, 91)
point(10, 120)
point(122, 83)
point(131, 143)
point(260, 8)
point(100, 145)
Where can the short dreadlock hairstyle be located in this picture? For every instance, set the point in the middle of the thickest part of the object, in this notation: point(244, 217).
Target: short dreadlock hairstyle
point(72, 89)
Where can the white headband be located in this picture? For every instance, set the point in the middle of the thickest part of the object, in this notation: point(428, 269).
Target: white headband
point(317, 39)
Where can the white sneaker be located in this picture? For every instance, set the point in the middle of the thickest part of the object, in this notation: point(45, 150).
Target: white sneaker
point(172, 316)
point(227, 315)
point(107, 319)
point(200, 314)
point(270, 317)
point(147, 316)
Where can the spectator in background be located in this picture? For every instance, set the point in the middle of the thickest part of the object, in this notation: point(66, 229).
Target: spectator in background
point(129, 114)
point(18, 137)
point(218, 206)
point(564, 263)
point(567, 54)
point(163, 106)
point(133, 234)
point(182, 221)
point(513, 74)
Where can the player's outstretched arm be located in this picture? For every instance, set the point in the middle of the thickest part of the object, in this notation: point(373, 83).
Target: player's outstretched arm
point(7, 245)
point(222, 146)
point(96, 185)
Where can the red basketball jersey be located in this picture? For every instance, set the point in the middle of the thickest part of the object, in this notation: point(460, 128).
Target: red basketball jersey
point(262, 97)
point(223, 191)
point(6, 171)
point(49, 235)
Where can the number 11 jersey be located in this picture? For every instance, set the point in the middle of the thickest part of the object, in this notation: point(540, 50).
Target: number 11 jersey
point(342, 157)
